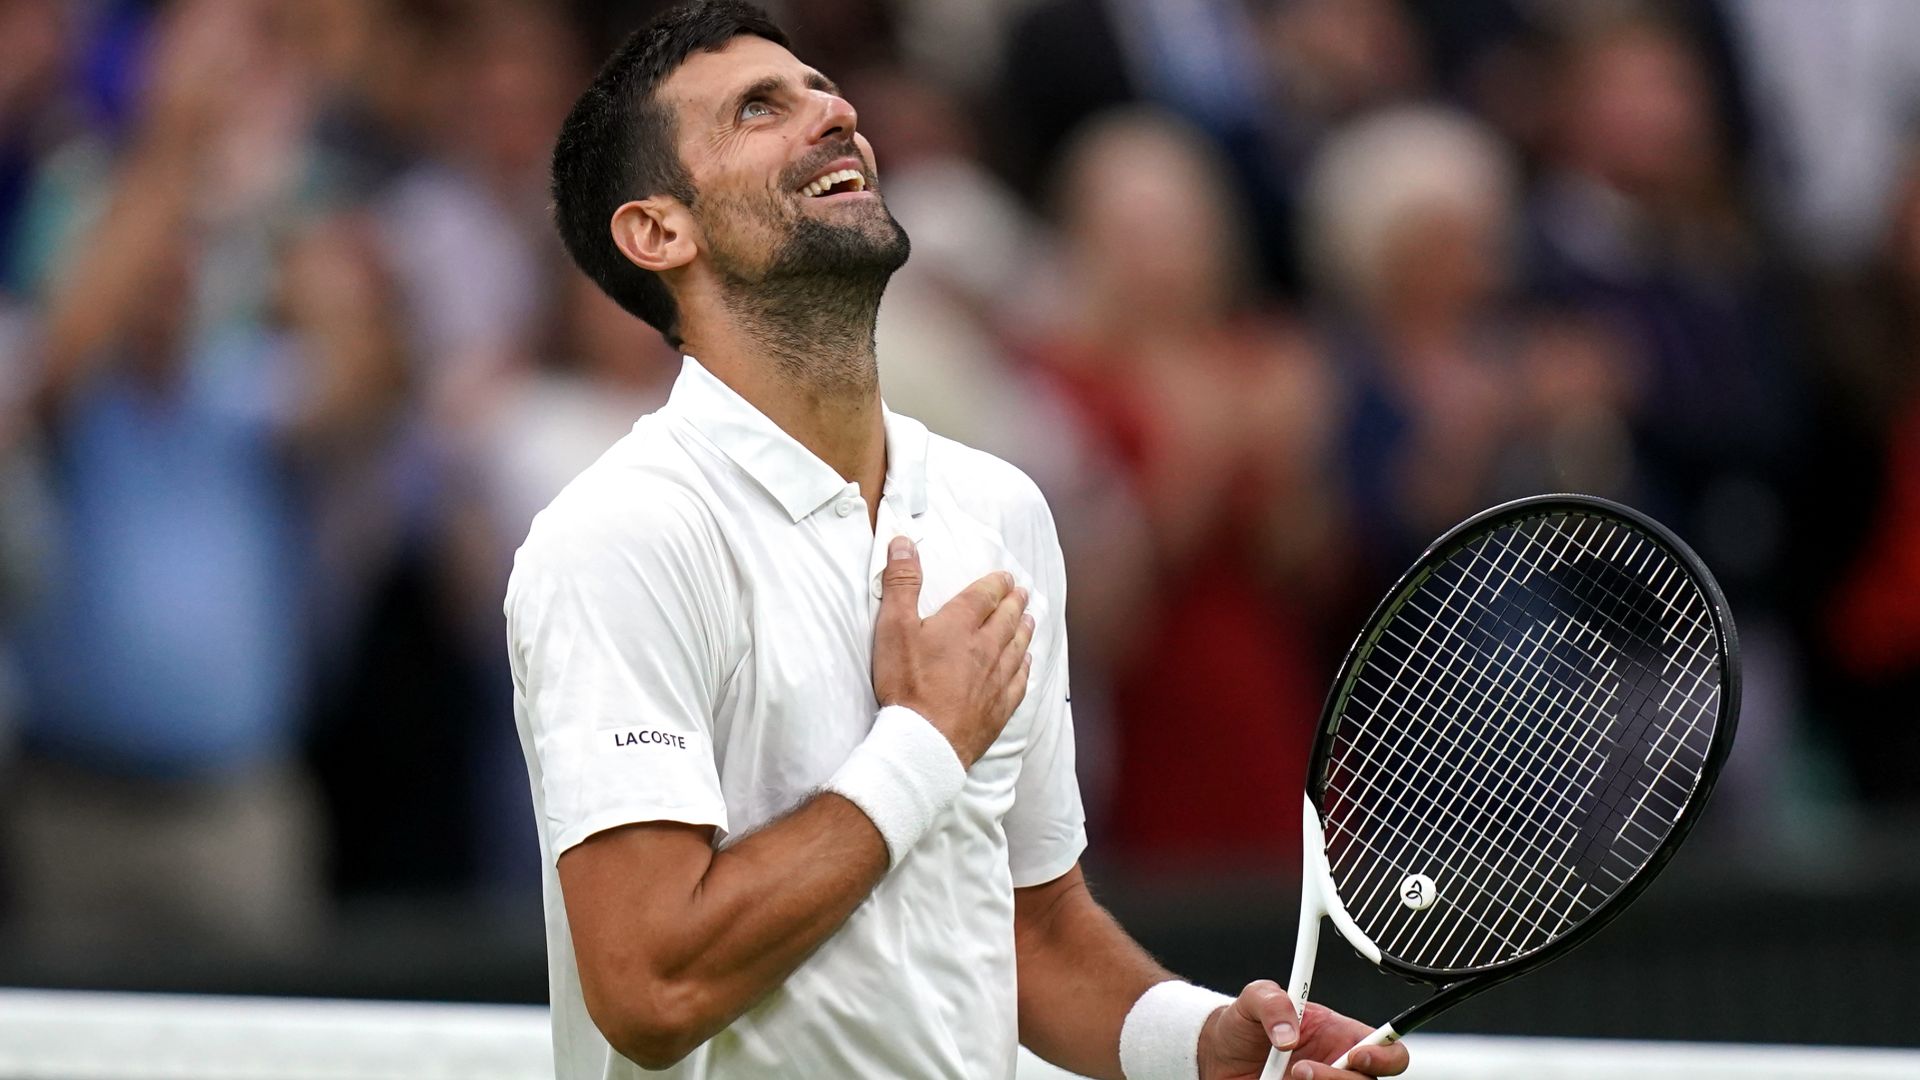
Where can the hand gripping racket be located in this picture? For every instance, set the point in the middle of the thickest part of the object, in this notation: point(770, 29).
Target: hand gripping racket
point(1514, 746)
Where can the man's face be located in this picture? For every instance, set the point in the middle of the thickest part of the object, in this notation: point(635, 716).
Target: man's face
point(785, 186)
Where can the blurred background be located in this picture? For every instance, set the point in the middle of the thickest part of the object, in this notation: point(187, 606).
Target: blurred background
point(1263, 293)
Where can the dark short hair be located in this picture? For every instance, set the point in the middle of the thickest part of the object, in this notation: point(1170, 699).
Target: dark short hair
point(618, 144)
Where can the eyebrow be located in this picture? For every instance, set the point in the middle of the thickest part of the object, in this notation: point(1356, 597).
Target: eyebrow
point(768, 85)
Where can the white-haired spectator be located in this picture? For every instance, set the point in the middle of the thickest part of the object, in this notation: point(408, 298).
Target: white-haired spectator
point(1411, 223)
point(1385, 191)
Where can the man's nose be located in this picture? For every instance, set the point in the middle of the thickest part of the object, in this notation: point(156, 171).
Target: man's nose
point(837, 117)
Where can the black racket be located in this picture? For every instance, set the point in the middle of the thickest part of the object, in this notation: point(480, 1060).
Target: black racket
point(1515, 745)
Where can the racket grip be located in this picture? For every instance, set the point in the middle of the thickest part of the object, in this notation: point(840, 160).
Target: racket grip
point(1276, 1069)
point(1384, 1035)
point(1306, 946)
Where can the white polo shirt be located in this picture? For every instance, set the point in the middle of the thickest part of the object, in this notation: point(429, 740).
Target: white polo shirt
point(690, 625)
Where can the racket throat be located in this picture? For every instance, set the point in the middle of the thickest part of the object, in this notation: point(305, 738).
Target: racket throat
point(1317, 893)
point(1318, 898)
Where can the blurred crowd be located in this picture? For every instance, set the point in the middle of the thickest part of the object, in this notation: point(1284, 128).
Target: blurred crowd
point(1263, 293)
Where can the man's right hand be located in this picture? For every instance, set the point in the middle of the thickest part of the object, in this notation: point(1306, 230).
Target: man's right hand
point(965, 667)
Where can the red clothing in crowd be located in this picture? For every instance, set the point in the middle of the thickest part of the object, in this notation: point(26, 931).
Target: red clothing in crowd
point(1215, 696)
point(1875, 620)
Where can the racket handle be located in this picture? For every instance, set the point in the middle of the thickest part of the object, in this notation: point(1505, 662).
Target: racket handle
point(1306, 947)
point(1384, 1035)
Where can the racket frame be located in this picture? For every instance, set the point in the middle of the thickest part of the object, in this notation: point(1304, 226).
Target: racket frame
point(1318, 895)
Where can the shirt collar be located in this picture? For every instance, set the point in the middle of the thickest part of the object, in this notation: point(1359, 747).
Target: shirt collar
point(800, 482)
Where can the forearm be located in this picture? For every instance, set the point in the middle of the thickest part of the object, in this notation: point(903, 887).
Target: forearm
point(677, 963)
point(763, 905)
point(1080, 973)
point(769, 901)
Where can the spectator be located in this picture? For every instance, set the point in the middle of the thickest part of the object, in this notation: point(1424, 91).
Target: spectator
point(166, 653)
point(1412, 254)
point(1260, 88)
point(1637, 221)
point(36, 41)
point(1834, 89)
point(35, 49)
point(1219, 411)
point(1870, 625)
point(416, 682)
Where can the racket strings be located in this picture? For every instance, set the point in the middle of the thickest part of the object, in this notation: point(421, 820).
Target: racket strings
point(1504, 865)
point(1525, 729)
point(1524, 868)
point(1425, 793)
point(1662, 587)
point(1558, 857)
point(1481, 840)
point(1521, 857)
point(1482, 844)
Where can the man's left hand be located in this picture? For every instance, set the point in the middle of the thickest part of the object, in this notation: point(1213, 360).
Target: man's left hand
point(1236, 1040)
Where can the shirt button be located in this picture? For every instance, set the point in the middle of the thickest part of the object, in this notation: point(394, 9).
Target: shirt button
point(844, 507)
point(876, 587)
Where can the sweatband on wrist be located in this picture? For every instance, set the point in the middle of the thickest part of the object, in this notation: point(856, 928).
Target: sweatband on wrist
point(1160, 1038)
point(903, 775)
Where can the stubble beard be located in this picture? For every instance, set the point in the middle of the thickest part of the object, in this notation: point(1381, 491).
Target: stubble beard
point(814, 304)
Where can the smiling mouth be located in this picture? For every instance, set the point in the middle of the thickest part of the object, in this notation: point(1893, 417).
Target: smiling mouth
point(838, 182)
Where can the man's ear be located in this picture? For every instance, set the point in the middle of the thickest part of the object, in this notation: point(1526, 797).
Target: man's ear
point(655, 233)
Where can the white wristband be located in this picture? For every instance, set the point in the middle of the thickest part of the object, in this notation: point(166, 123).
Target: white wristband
point(1160, 1038)
point(903, 775)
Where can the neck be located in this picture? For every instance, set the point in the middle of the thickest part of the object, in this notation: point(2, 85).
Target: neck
point(814, 332)
point(804, 356)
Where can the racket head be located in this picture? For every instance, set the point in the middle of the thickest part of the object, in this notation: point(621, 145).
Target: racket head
point(1700, 729)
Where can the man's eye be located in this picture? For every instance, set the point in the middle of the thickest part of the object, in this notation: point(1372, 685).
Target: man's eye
point(754, 108)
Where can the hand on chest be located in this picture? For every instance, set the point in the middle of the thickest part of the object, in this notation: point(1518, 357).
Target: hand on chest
point(803, 696)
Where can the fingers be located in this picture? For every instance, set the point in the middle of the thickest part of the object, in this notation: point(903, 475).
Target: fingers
point(1363, 1063)
point(1005, 621)
point(1269, 1007)
point(1257, 1022)
point(1379, 1060)
point(1016, 646)
point(1016, 689)
point(900, 582)
point(984, 597)
point(1015, 663)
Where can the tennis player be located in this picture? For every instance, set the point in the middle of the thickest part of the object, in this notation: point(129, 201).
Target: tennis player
point(790, 671)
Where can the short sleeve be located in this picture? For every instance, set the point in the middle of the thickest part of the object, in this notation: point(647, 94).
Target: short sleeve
point(1046, 827)
point(615, 617)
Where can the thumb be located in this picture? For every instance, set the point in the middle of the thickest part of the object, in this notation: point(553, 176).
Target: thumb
point(900, 582)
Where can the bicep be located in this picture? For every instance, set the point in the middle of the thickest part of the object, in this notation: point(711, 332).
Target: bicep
point(625, 891)
point(1042, 917)
point(1036, 908)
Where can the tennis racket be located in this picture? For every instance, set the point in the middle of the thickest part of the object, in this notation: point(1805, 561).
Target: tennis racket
point(1515, 745)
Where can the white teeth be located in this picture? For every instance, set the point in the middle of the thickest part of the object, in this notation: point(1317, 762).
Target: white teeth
point(821, 186)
